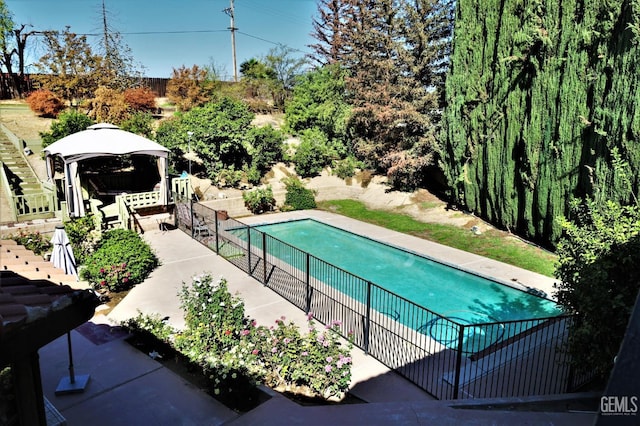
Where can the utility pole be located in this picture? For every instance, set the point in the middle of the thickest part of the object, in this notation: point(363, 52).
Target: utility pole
point(230, 11)
point(105, 29)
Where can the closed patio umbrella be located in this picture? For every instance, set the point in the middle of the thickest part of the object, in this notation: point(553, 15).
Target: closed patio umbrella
point(62, 256)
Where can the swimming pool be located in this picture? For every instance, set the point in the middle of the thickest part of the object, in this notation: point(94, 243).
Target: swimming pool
point(458, 295)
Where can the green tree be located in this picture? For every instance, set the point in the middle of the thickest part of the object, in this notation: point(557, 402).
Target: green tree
point(319, 100)
point(287, 67)
point(599, 279)
point(539, 94)
point(257, 77)
point(219, 135)
point(68, 122)
point(394, 53)
point(70, 69)
point(141, 123)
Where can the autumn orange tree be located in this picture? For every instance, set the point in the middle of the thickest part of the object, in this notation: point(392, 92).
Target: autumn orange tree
point(394, 55)
point(108, 106)
point(69, 69)
point(190, 87)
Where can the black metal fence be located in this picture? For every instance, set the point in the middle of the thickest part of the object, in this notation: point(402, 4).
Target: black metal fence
point(446, 358)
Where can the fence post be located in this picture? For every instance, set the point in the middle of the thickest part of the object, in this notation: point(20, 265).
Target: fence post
point(367, 320)
point(307, 283)
point(216, 226)
point(191, 215)
point(249, 250)
point(264, 258)
point(456, 383)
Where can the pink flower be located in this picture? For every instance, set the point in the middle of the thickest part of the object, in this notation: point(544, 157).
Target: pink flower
point(328, 368)
point(274, 350)
point(125, 279)
point(310, 316)
point(338, 323)
point(245, 332)
point(329, 359)
point(103, 282)
point(304, 353)
point(102, 270)
point(287, 340)
point(255, 352)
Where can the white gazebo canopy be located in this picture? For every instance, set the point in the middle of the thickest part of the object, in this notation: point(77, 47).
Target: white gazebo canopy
point(100, 140)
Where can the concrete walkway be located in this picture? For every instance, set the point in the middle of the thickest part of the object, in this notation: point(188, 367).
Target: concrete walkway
point(127, 387)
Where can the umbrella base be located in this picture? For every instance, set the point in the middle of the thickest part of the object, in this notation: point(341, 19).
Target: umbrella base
point(77, 386)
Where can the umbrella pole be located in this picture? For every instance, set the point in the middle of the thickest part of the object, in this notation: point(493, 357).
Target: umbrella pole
point(72, 384)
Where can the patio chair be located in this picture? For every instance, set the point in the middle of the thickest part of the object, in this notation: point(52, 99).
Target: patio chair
point(185, 217)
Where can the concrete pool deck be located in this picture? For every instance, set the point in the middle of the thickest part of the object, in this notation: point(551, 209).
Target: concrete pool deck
point(128, 387)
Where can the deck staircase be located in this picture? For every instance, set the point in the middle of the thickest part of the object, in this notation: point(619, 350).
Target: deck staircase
point(16, 258)
point(22, 179)
point(22, 195)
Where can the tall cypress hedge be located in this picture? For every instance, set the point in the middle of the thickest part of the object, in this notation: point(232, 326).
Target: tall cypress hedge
point(540, 95)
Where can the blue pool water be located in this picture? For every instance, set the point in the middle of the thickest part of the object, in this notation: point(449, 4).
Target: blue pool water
point(458, 295)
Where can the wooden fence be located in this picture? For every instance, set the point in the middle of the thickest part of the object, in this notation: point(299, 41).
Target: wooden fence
point(12, 87)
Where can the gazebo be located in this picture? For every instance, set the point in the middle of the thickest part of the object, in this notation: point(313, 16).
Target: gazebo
point(97, 143)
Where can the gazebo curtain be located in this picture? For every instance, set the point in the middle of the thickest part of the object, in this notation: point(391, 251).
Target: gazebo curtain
point(164, 178)
point(73, 190)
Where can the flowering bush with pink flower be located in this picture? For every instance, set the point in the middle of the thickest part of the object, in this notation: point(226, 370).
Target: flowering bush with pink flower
point(236, 353)
point(121, 260)
point(319, 360)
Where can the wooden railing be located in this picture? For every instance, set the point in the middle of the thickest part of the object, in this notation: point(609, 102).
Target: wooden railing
point(6, 187)
point(31, 206)
point(182, 188)
point(34, 206)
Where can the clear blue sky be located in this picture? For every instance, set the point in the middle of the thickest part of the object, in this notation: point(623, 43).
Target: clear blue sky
point(262, 24)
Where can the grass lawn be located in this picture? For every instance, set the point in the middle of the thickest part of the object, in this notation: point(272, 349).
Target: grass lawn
point(493, 244)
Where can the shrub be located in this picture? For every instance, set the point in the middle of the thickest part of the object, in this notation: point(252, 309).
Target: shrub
point(346, 167)
point(214, 318)
point(316, 360)
point(259, 200)
point(229, 177)
point(34, 241)
point(121, 260)
point(83, 235)
point(140, 99)
point(266, 147)
point(598, 279)
point(236, 353)
point(45, 103)
point(140, 123)
point(313, 154)
point(298, 197)
point(151, 324)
